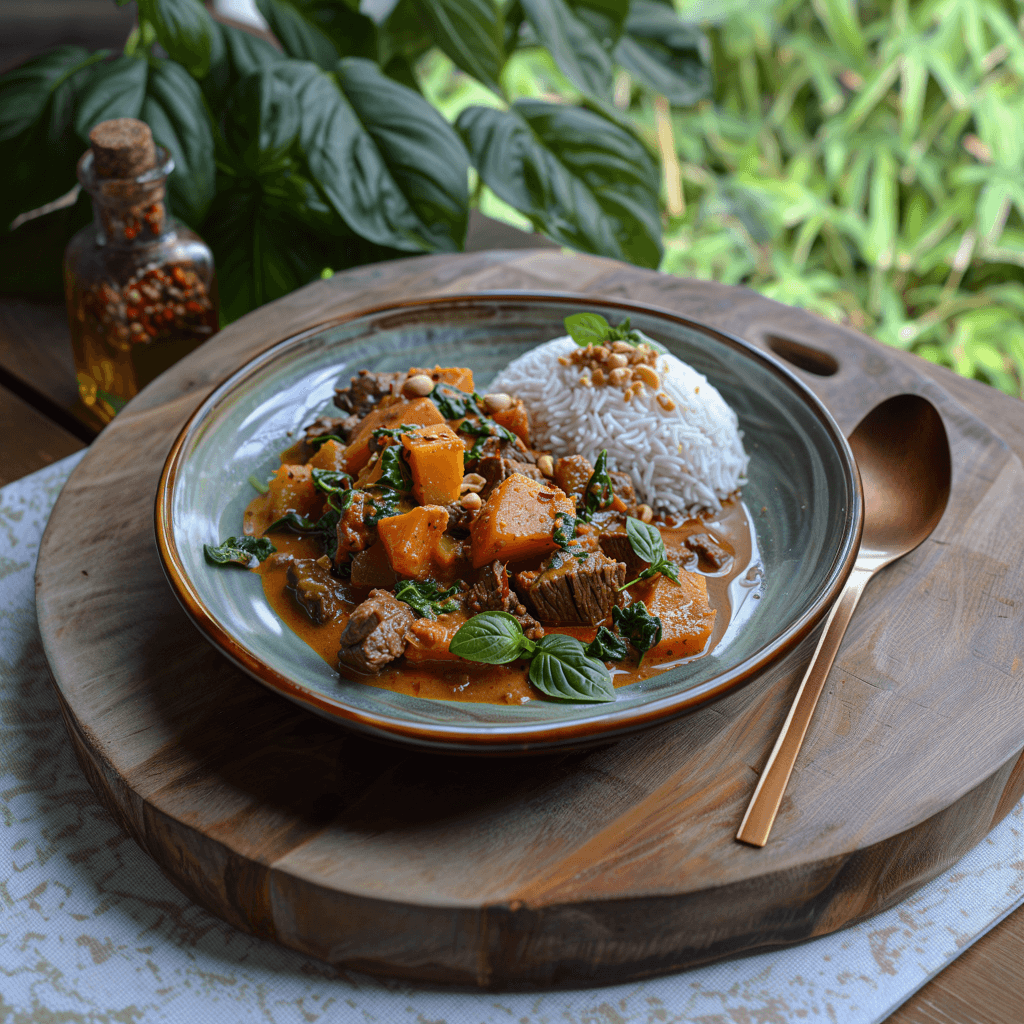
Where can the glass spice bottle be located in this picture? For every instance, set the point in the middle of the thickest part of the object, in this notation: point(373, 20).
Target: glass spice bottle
point(141, 290)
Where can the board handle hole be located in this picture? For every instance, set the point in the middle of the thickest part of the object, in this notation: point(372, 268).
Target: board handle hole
point(804, 357)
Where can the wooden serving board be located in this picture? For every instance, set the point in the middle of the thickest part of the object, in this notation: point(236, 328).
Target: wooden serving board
point(589, 867)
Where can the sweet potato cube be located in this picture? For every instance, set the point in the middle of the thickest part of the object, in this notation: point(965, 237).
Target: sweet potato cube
point(330, 456)
point(687, 617)
point(518, 520)
point(435, 457)
point(428, 639)
point(460, 377)
point(413, 541)
point(419, 412)
point(514, 418)
point(291, 490)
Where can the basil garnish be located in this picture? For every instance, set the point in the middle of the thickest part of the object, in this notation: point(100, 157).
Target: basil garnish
point(638, 626)
point(559, 666)
point(331, 481)
point(606, 646)
point(599, 491)
point(426, 598)
point(645, 539)
point(592, 329)
point(239, 551)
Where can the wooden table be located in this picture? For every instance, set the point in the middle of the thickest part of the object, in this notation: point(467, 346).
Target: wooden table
point(38, 425)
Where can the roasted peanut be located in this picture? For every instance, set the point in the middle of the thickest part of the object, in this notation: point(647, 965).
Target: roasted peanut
point(471, 501)
point(644, 513)
point(546, 465)
point(497, 402)
point(417, 386)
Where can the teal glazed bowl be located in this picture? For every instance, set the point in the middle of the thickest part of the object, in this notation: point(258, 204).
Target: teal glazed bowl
point(803, 497)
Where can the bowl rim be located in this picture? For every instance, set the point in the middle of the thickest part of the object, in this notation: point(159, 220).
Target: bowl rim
point(502, 738)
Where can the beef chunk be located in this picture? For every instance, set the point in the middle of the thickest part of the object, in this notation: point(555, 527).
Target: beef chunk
point(366, 390)
point(616, 546)
point(495, 468)
point(514, 450)
point(572, 592)
point(375, 633)
point(493, 594)
point(332, 425)
point(459, 519)
point(622, 486)
point(711, 554)
point(315, 590)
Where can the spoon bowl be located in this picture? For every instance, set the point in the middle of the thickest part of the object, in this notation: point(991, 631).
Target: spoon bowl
point(902, 452)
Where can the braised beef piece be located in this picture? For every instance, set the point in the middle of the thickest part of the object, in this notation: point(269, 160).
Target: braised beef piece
point(493, 594)
point(315, 590)
point(572, 592)
point(366, 390)
point(622, 486)
point(354, 532)
point(459, 519)
point(616, 546)
point(495, 468)
point(375, 633)
point(711, 554)
point(514, 450)
point(342, 428)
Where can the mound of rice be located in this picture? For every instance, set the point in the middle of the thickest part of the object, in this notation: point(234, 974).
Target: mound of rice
point(681, 460)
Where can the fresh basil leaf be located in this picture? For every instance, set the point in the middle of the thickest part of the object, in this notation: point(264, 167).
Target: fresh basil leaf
point(331, 481)
point(169, 100)
point(581, 179)
point(570, 41)
point(560, 668)
point(239, 551)
point(493, 638)
point(184, 29)
point(426, 598)
point(599, 492)
point(471, 33)
point(606, 646)
point(587, 328)
point(297, 32)
point(646, 541)
point(38, 149)
point(638, 626)
point(393, 474)
point(668, 56)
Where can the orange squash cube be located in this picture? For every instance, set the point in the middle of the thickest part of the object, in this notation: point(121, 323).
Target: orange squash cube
point(291, 490)
point(419, 412)
point(435, 456)
point(414, 541)
point(330, 456)
point(460, 377)
point(514, 418)
point(518, 520)
point(687, 617)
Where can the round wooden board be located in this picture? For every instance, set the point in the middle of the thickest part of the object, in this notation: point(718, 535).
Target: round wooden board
point(569, 869)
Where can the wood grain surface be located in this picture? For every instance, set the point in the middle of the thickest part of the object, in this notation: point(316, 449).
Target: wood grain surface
point(590, 867)
point(31, 441)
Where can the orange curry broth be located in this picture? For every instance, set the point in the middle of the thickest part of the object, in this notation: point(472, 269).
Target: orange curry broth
point(461, 680)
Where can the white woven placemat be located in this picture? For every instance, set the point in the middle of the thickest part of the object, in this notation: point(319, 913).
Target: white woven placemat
point(91, 932)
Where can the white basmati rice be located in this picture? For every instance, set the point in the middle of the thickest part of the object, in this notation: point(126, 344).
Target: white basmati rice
point(681, 461)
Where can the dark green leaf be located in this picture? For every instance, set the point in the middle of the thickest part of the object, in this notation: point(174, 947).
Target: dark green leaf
point(493, 638)
point(606, 646)
point(236, 55)
point(261, 125)
point(569, 39)
point(638, 626)
point(331, 481)
point(581, 179)
point(426, 598)
point(666, 55)
point(482, 428)
point(393, 473)
point(560, 668)
point(246, 551)
point(38, 149)
point(404, 35)
point(301, 38)
point(471, 33)
point(454, 404)
point(599, 492)
point(167, 98)
point(604, 18)
point(565, 530)
point(316, 442)
point(184, 29)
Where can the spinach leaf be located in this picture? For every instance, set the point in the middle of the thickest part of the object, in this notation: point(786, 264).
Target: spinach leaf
point(393, 474)
point(638, 626)
point(606, 646)
point(483, 428)
point(395, 433)
point(426, 598)
point(454, 404)
point(599, 491)
point(246, 551)
point(325, 528)
point(561, 668)
point(646, 541)
point(565, 530)
point(331, 481)
point(493, 638)
point(316, 442)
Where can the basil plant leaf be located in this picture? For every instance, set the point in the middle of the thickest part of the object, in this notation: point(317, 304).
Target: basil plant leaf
point(471, 33)
point(38, 148)
point(665, 54)
point(571, 42)
point(645, 540)
point(168, 99)
point(606, 646)
point(493, 638)
point(581, 179)
point(184, 29)
point(320, 31)
point(638, 626)
point(236, 55)
point(560, 668)
point(246, 551)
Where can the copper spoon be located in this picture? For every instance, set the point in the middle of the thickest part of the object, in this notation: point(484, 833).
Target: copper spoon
point(902, 453)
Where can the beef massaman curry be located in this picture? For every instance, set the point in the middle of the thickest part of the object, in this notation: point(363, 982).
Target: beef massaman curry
point(419, 543)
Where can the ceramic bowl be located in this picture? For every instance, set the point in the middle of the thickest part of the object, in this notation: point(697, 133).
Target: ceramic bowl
point(803, 495)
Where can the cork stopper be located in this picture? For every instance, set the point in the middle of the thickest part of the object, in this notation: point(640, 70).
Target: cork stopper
point(122, 148)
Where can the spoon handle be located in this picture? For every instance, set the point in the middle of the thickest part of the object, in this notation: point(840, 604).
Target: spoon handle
point(764, 804)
